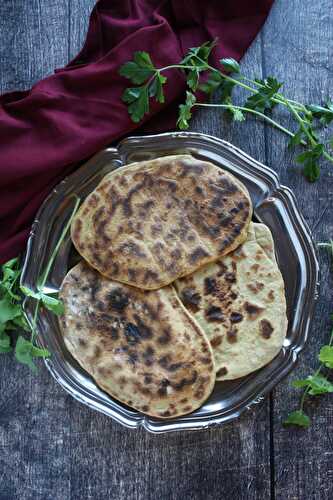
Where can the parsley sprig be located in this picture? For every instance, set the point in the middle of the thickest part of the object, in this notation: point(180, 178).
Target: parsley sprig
point(264, 96)
point(317, 383)
point(12, 317)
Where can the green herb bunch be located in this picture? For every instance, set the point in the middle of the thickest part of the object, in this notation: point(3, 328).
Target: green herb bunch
point(264, 96)
point(317, 383)
point(12, 317)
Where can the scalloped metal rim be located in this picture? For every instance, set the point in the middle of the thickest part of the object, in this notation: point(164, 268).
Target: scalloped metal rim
point(288, 199)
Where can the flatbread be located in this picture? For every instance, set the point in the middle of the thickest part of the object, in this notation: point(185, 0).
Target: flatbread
point(148, 223)
point(239, 301)
point(264, 238)
point(141, 347)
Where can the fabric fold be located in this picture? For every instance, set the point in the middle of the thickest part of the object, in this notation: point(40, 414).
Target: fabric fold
point(67, 117)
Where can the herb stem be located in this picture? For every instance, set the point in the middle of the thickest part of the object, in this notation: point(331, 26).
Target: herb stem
point(176, 66)
point(326, 245)
point(59, 242)
point(33, 324)
point(277, 99)
point(264, 94)
point(14, 282)
point(328, 156)
point(227, 77)
point(292, 105)
point(305, 130)
point(306, 390)
point(253, 111)
point(301, 122)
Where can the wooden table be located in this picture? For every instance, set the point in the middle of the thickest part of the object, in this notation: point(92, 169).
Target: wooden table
point(51, 446)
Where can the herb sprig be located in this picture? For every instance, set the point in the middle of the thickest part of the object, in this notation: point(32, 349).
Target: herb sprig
point(12, 316)
point(264, 96)
point(316, 383)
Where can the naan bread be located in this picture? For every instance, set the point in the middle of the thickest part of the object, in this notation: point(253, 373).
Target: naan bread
point(264, 238)
point(141, 347)
point(240, 304)
point(151, 222)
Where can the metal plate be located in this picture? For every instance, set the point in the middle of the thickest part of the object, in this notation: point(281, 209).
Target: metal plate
point(275, 205)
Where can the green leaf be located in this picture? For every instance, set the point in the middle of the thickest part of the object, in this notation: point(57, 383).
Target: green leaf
point(138, 100)
point(297, 417)
point(203, 52)
point(324, 114)
point(53, 304)
point(156, 87)
point(213, 81)
point(6, 288)
point(185, 113)
point(300, 383)
point(311, 170)
point(314, 154)
point(142, 59)
point(23, 353)
point(318, 384)
point(134, 73)
point(138, 70)
point(317, 151)
point(140, 107)
point(205, 49)
point(11, 264)
point(193, 79)
point(8, 310)
point(225, 90)
point(9, 274)
point(326, 356)
point(296, 140)
point(9, 277)
point(272, 84)
point(310, 160)
point(18, 322)
point(258, 102)
point(4, 350)
point(237, 114)
point(4, 341)
point(230, 64)
point(37, 352)
point(302, 157)
point(262, 100)
point(131, 94)
point(30, 293)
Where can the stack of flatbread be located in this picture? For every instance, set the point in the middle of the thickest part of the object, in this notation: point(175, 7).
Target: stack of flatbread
point(177, 287)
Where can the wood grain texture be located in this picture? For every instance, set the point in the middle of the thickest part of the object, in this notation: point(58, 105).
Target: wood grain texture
point(51, 446)
point(78, 22)
point(34, 41)
point(297, 49)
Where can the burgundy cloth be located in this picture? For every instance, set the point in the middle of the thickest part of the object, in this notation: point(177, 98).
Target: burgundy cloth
point(65, 118)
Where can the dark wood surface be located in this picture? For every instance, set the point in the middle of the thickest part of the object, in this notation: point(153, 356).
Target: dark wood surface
point(51, 446)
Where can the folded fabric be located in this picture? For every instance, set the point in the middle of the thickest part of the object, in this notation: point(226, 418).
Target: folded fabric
point(47, 131)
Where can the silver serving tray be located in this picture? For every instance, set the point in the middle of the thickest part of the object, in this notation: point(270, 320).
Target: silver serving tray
point(275, 205)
